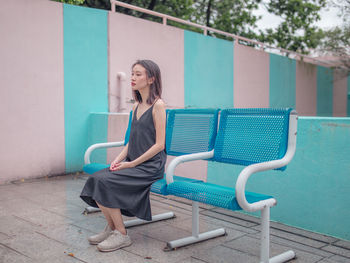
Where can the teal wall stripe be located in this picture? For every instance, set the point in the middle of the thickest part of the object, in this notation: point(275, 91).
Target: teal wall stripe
point(85, 77)
point(324, 91)
point(282, 82)
point(208, 71)
point(313, 192)
point(97, 133)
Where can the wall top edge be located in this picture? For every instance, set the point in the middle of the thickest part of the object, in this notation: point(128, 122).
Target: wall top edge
point(332, 119)
point(110, 113)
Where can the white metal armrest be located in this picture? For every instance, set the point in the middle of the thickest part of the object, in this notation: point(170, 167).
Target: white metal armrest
point(259, 167)
point(100, 145)
point(185, 158)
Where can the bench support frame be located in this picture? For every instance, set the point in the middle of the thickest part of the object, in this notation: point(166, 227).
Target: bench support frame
point(196, 236)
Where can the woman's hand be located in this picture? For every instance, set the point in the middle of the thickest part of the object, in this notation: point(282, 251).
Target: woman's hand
point(116, 166)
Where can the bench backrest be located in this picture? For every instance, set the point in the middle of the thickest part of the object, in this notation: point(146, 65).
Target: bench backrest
point(248, 136)
point(191, 130)
point(188, 130)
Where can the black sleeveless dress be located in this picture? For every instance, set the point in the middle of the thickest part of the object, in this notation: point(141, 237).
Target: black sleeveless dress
point(128, 189)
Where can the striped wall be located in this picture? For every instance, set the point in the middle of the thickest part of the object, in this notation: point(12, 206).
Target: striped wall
point(58, 71)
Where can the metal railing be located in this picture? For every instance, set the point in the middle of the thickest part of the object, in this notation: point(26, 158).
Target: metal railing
point(206, 29)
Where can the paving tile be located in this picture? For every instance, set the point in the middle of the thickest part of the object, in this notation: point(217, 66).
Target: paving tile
point(296, 238)
point(204, 226)
point(301, 233)
point(251, 246)
point(94, 223)
point(144, 246)
point(342, 243)
point(298, 246)
point(17, 205)
point(222, 254)
point(67, 210)
point(11, 256)
point(163, 232)
point(229, 225)
point(41, 217)
point(237, 214)
point(35, 246)
point(338, 251)
point(71, 235)
point(339, 259)
point(172, 205)
point(227, 218)
point(11, 226)
point(8, 192)
point(327, 260)
point(192, 260)
point(92, 255)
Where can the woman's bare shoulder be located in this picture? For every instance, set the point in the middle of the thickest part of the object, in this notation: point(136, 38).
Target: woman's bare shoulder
point(159, 104)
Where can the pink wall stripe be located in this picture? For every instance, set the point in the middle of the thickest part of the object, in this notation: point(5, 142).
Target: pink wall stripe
point(306, 89)
point(131, 39)
point(340, 94)
point(251, 77)
point(31, 81)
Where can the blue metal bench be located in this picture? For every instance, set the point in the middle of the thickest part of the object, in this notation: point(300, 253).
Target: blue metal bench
point(260, 139)
point(188, 131)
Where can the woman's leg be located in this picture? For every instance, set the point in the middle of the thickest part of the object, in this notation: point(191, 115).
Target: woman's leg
point(117, 218)
point(106, 213)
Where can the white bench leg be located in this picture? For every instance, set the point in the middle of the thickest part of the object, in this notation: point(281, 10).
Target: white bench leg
point(155, 218)
point(136, 222)
point(196, 237)
point(265, 242)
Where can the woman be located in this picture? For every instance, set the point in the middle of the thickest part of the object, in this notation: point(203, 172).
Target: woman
point(124, 187)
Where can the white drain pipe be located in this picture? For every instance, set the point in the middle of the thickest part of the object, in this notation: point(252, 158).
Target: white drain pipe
point(121, 77)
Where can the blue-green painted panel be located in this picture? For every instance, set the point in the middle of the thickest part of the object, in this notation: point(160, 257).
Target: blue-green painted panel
point(324, 91)
point(98, 133)
point(85, 77)
point(313, 192)
point(208, 71)
point(282, 82)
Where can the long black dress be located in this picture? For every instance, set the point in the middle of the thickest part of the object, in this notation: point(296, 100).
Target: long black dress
point(128, 189)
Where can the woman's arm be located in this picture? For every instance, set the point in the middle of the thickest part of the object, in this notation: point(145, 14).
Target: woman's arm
point(159, 118)
point(122, 155)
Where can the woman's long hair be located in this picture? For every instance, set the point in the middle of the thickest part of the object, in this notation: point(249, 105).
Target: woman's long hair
point(152, 71)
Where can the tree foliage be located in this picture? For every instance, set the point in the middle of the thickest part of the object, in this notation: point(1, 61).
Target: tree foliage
point(232, 16)
point(336, 41)
point(296, 32)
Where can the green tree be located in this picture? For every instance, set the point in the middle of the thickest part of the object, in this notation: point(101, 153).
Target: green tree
point(232, 16)
point(336, 41)
point(297, 31)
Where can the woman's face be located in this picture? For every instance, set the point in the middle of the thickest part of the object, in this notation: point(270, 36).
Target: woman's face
point(139, 79)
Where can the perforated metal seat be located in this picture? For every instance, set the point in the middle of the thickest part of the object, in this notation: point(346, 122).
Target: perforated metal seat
point(211, 194)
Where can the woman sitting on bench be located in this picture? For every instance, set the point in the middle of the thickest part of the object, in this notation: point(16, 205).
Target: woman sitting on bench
point(124, 187)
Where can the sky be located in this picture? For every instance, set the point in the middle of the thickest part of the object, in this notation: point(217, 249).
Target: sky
point(328, 18)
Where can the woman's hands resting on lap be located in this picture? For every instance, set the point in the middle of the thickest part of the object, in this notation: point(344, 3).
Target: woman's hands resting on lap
point(116, 165)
